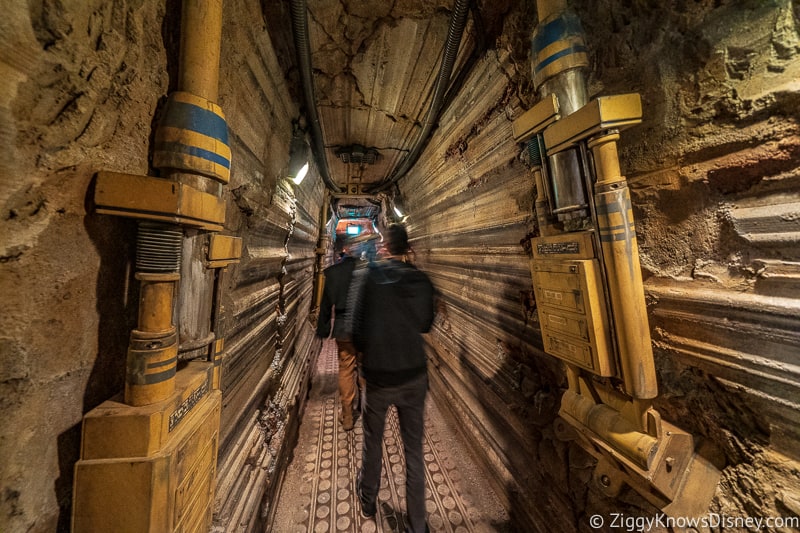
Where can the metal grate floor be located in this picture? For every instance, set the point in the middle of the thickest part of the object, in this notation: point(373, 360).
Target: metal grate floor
point(319, 491)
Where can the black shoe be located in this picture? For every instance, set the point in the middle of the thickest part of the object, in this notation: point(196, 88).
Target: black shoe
point(368, 510)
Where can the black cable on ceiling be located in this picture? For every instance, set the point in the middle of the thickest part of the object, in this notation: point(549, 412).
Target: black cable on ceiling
point(303, 49)
point(458, 21)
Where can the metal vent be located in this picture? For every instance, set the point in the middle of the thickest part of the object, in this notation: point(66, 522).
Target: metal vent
point(357, 154)
point(357, 211)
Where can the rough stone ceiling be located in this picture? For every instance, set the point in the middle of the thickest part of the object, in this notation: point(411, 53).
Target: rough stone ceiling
point(375, 65)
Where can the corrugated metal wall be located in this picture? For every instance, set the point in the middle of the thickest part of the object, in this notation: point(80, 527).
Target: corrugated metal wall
point(270, 345)
point(714, 186)
point(470, 203)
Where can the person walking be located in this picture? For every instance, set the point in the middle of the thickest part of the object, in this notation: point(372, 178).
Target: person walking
point(396, 307)
point(334, 304)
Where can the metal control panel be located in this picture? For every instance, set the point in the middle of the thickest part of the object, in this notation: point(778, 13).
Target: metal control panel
point(571, 302)
point(152, 468)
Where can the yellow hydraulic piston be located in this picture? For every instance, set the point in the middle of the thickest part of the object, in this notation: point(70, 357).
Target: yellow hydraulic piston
point(621, 258)
point(148, 458)
point(153, 349)
point(190, 146)
point(587, 279)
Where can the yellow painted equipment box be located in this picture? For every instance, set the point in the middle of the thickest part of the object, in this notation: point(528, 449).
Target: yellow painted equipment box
point(570, 302)
point(150, 468)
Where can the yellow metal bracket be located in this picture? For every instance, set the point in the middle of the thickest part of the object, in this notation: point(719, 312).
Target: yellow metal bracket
point(224, 250)
point(535, 119)
point(151, 198)
point(680, 477)
point(606, 112)
point(150, 468)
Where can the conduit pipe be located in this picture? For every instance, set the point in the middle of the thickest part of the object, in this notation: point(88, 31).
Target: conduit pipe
point(190, 146)
point(621, 258)
point(201, 34)
point(458, 21)
point(303, 49)
point(583, 187)
point(559, 60)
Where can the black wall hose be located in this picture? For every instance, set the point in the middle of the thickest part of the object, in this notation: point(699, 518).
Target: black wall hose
point(458, 21)
point(303, 49)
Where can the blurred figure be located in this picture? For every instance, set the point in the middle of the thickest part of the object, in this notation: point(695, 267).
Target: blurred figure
point(395, 307)
point(334, 304)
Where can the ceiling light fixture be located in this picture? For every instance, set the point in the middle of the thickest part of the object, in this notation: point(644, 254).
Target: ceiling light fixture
point(357, 154)
point(298, 155)
point(300, 174)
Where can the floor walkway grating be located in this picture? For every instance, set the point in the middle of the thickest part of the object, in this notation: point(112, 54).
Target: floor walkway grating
point(319, 491)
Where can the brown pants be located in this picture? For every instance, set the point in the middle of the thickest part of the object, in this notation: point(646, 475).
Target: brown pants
point(348, 379)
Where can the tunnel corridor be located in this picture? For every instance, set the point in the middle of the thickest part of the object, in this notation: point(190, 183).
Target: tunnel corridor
point(318, 493)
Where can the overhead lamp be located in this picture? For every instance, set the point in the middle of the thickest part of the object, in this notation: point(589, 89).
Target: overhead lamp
point(298, 155)
point(301, 174)
point(398, 207)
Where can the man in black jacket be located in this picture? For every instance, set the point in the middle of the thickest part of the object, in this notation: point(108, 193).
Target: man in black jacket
point(334, 296)
point(395, 308)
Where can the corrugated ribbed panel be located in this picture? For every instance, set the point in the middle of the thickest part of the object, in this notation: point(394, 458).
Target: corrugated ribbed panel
point(374, 83)
point(470, 204)
point(269, 344)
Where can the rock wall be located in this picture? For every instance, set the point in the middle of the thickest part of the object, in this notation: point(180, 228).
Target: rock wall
point(713, 171)
point(84, 82)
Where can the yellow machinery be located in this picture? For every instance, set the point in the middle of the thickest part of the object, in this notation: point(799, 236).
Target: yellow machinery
point(148, 457)
point(150, 468)
point(587, 280)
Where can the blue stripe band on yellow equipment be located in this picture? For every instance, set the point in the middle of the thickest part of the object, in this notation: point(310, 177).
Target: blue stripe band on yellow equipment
point(614, 207)
point(191, 117)
point(193, 135)
point(579, 49)
point(625, 226)
point(613, 237)
point(166, 362)
point(565, 26)
point(152, 379)
point(166, 134)
point(180, 148)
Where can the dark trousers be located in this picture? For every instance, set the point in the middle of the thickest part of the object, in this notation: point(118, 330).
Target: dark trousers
point(409, 398)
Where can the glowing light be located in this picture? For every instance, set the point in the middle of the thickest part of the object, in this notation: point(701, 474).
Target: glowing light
point(301, 174)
